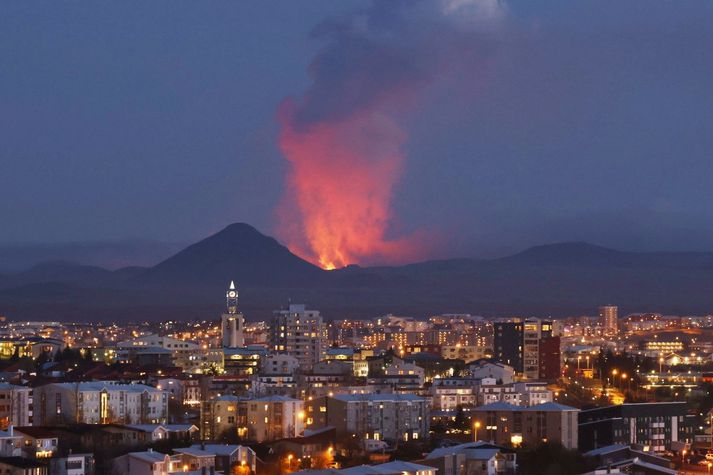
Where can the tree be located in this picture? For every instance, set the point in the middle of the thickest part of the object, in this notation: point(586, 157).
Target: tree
point(552, 459)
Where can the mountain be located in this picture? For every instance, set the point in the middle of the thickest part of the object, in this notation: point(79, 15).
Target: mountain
point(561, 279)
point(239, 252)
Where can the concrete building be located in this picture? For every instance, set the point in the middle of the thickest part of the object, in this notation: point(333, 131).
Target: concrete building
point(506, 424)
point(483, 368)
point(222, 417)
point(99, 402)
point(275, 417)
point(14, 405)
point(473, 458)
point(507, 343)
point(609, 319)
point(466, 353)
point(655, 426)
point(232, 322)
point(298, 332)
point(377, 416)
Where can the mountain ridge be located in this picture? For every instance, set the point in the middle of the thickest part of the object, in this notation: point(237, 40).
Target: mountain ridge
point(554, 279)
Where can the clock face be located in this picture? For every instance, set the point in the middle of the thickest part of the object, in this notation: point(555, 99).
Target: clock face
point(232, 293)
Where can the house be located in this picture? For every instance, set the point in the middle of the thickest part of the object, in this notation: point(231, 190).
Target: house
point(472, 458)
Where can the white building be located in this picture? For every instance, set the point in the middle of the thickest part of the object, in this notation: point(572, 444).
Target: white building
point(298, 332)
point(15, 402)
point(278, 364)
point(488, 369)
point(378, 416)
point(99, 402)
point(275, 417)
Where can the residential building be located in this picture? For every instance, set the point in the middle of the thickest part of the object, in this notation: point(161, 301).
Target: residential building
point(377, 416)
point(609, 319)
point(99, 402)
point(655, 426)
point(483, 368)
point(274, 417)
point(298, 332)
point(506, 424)
point(15, 403)
point(507, 343)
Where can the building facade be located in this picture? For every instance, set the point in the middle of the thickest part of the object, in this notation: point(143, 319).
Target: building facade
point(656, 426)
point(99, 403)
point(232, 322)
point(298, 332)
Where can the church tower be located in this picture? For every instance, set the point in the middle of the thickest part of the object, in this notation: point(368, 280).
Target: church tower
point(232, 321)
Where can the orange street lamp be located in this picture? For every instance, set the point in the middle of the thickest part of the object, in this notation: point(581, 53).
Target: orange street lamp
point(476, 426)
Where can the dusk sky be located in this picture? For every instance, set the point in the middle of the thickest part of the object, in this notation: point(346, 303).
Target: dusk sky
point(402, 130)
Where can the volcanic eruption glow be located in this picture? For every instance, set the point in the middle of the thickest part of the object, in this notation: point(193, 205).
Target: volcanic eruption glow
point(344, 138)
point(341, 177)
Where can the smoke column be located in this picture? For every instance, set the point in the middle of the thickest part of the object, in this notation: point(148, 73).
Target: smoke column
point(344, 138)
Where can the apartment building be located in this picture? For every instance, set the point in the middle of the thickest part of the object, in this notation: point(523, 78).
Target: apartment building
point(99, 402)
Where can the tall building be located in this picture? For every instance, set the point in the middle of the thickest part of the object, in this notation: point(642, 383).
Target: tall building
point(517, 344)
point(233, 321)
point(507, 343)
point(608, 319)
point(298, 332)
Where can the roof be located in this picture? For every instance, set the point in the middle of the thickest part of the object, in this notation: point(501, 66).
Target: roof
point(276, 399)
point(479, 450)
point(606, 450)
point(194, 451)
point(650, 467)
point(220, 449)
point(377, 397)
point(167, 427)
point(498, 406)
point(550, 406)
point(104, 385)
point(148, 456)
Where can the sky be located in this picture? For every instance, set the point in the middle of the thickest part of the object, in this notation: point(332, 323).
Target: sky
point(359, 131)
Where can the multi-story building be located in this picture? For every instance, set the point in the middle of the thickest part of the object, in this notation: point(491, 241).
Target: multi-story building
point(466, 353)
point(608, 319)
point(15, 402)
point(99, 402)
point(656, 426)
point(507, 343)
point(274, 417)
point(222, 417)
point(506, 424)
point(232, 322)
point(377, 416)
point(517, 344)
point(298, 332)
point(188, 355)
point(243, 361)
point(550, 358)
point(502, 373)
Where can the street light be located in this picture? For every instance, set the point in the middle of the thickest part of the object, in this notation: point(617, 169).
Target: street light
point(476, 426)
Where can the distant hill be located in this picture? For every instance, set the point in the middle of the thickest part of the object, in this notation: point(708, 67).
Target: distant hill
point(239, 252)
point(560, 279)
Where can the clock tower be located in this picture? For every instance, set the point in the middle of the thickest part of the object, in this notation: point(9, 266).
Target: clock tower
point(232, 322)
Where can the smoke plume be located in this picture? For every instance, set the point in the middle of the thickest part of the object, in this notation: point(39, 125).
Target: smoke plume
point(344, 138)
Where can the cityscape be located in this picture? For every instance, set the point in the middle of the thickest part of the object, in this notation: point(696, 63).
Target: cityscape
point(454, 393)
point(356, 237)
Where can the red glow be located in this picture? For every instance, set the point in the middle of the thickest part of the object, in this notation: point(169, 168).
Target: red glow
point(340, 183)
